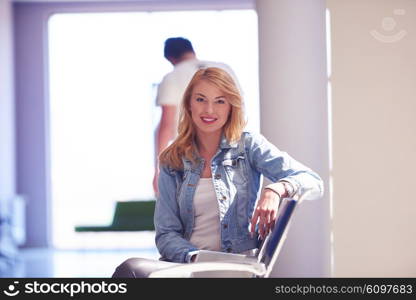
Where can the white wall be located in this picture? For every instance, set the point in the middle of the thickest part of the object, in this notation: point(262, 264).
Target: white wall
point(7, 132)
point(374, 138)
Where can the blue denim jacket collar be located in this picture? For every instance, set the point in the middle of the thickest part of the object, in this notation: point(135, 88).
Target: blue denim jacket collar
point(189, 166)
point(197, 168)
point(224, 144)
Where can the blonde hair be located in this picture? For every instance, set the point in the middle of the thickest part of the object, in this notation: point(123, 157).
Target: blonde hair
point(184, 144)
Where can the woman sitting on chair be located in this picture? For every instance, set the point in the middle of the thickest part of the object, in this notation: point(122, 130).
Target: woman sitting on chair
point(210, 177)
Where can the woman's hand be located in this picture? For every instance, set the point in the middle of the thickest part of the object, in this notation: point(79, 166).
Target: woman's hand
point(265, 212)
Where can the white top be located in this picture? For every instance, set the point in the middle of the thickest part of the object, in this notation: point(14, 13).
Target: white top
point(171, 88)
point(206, 233)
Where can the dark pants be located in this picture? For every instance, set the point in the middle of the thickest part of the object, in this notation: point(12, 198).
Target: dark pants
point(140, 267)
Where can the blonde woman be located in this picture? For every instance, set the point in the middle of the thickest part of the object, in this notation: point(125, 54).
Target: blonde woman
point(210, 178)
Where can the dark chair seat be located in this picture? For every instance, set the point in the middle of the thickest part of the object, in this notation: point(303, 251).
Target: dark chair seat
point(128, 216)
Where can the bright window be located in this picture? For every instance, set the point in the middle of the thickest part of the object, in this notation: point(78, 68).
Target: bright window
point(103, 73)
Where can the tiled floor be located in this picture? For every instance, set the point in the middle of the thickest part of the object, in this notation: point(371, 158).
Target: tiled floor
point(88, 262)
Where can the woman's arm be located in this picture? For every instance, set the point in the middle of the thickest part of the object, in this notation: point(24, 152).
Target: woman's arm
point(278, 166)
point(290, 178)
point(169, 228)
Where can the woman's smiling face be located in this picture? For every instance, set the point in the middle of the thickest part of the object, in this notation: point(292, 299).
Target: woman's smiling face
point(209, 107)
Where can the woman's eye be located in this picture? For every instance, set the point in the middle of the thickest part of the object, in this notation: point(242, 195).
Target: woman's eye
point(199, 99)
point(221, 101)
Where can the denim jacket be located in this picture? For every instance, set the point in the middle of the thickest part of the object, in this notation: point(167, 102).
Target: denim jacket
point(236, 174)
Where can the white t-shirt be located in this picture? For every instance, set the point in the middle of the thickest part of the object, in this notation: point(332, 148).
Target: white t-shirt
point(171, 88)
point(206, 233)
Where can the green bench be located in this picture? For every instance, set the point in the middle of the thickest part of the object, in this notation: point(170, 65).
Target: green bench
point(128, 216)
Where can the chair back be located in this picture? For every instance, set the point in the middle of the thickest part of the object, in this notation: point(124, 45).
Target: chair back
point(270, 249)
point(274, 241)
point(133, 215)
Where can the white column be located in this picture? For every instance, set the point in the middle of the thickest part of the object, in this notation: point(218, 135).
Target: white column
point(294, 116)
point(7, 121)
